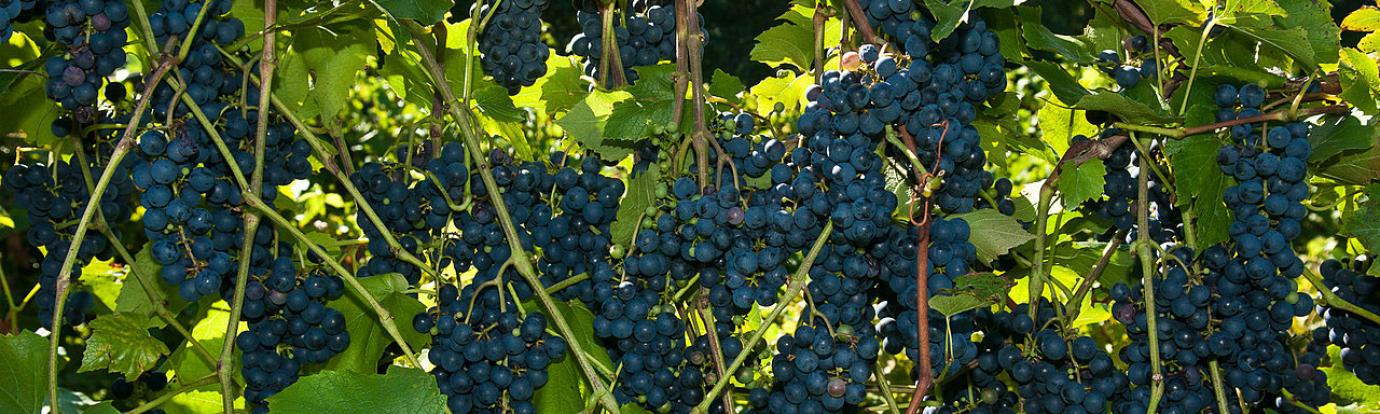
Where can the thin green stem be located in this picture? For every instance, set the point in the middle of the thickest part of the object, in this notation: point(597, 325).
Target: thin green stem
point(568, 282)
point(885, 386)
point(189, 386)
point(1197, 55)
point(1148, 284)
point(793, 290)
point(226, 365)
point(1331, 299)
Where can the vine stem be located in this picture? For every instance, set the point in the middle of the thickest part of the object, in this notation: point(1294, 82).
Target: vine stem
point(1331, 299)
point(1280, 115)
point(715, 350)
point(189, 386)
point(122, 148)
point(793, 290)
point(687, 22)
point(1037, 265)
point(925, 377)
point(459, 111)
point(1148, 284)
point(860, 20)
point(267, 62)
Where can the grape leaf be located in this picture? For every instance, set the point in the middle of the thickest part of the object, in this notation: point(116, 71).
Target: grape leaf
point(1365, 19)
point(23, 372)
point(993, 234)
point(198, 401)
point(1058, 125)
point(1199, 181)
point(949, 305)
point(1124, 108)
point(640, 195)
point(1337, 135)
point(1360, 78)
point(317, 74)
point(986, 285)
point(786, 88)
point(585, 123)
point(1039, 37)
point(566, 384)
point(1344, 384)
point(651, 106)
point(785, 44)
point(558, 90)
point(1060, 82)
point(1184, 12)
point(725, 85)
point(1262, 29)
point(950, 13)
point(1081, 182)
point(425, 12)
point(368, 339)
point(135, 299)
point(121, 343)
point(401, 390)
point(210, 332)
point(1364, 225)
point(29, 112)
point(1321, 29)
point(1354, 168)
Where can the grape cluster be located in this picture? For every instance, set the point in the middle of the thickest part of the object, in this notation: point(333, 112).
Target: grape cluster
point(1354, 334)
point(648, 340)
point(949, 256)
point(643, 38)
point(1235, 103)
point(54, 197)
point(488, 358)
point(92, 36)
point(1054, 373)
point(816, 370)
point(513, 51)
point(290, 327)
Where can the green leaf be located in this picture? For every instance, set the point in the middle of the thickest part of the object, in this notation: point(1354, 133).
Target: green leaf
point(985, 285)
point(1199, 181)
point(1344, 384)
point(725, 85)
point(199, 401)
point(651, 105)
point(1039, 37)
point(1364, 225)
point(1338, 135)
point(134, 298)
point(402, 390)
point(121, 343)
point(1060, 82)
point(1354, 168)
point(1263, 30)
point(1321, 29)
point(785, 44)
point(1082, 182)
point(585, 123)
point(1360, 78)
point(425, 12)
point(993, 234)
point(564, 390)
point(317, 74)
point(493, 101)
point(949, 305)
point(368, 339)
point(1125, 108)
point(786, 88)
point(1184, 12)
point(210, 332)
point(640, 195)
point(948, 14)
point(30, 114)
point(557, 91)
point(1365, 19)
point(23, 372)
point(1059, 124)
point(1081, 257)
